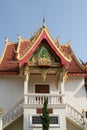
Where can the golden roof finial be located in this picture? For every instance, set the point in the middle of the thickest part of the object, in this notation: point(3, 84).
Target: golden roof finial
point(6, 39)
point(69, 41)
point(43, 21)
point(58, 38)
point(19, 36)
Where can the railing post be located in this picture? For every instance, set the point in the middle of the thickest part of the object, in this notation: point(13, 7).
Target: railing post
point(1, 112)
point(84, 119)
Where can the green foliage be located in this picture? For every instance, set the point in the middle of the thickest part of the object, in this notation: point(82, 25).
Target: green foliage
point(45, 119)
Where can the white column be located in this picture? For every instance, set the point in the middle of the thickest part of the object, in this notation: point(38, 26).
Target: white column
point(62, 87)
point(1, 112)
point(25, 87)
point(0, 122)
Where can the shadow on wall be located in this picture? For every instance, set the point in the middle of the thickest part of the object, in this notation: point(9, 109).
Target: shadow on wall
point(76, 87)
point(16, 125)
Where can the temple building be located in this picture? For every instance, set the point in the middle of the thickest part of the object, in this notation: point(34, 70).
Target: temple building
point(40, 67)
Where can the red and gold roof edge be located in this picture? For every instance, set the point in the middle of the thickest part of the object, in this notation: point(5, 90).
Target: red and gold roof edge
point(55, 43)
point(74, 56)
point(84, 74)
point(43, 34)
point(5, 49)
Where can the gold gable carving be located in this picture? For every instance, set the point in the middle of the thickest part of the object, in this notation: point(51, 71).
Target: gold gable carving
point(44, 56)
point(44, 61)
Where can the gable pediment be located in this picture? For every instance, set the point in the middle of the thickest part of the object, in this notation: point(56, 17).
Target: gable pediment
point(44, 56)
point(41, 36)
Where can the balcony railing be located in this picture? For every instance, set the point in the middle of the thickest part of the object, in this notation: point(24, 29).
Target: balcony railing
point(32, 98)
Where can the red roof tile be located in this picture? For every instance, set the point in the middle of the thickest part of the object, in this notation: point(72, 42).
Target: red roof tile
point(10, 65)
point(23, 46)
point(75, 65)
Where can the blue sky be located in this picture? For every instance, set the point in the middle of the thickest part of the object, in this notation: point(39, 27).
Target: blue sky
point(64, 18)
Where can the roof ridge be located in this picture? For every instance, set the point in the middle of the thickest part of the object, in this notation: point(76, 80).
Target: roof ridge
point(32, 41)
point(76, 59)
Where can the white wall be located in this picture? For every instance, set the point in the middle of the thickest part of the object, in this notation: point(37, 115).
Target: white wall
point(56, 111)
point(16, 125)
point(12, 87)
point(75, 93)
point(11, 91)
point(72, 126)
point(51, 80)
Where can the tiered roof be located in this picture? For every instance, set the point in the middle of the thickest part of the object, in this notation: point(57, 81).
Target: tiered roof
point(17, 54)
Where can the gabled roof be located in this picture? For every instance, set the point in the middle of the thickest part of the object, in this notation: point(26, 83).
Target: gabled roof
point(8, 63)
point(75, 68)
point(16, 54)
point(35, 41)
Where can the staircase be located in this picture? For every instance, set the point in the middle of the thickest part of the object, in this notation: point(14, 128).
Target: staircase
point(75, 116)
point(71, 113)
point(13, 114)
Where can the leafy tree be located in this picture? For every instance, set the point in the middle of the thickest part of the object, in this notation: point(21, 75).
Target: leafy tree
point(45, 119)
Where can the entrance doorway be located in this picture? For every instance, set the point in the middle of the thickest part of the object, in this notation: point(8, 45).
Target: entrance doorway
point(41, 88)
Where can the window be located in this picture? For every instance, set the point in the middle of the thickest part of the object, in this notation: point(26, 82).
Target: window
point(36, 121)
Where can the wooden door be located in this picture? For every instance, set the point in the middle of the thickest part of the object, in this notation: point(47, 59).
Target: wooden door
point(41, 88)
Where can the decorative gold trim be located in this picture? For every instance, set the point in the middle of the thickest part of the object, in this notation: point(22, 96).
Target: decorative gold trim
point(65, 76)
point(20, 39)
point(67, 59)
point(3, 53)
point(57, 80)
point(6, 39)
point(44, 61)
point(27, 70)
point(24, 70)
point(5, 50)
point(1, 111)
point(76, 59)
point(42, 30)
point(31, 46)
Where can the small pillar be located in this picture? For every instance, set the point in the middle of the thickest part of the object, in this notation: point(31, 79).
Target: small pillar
point(62, 92)
point(62, 88)
point(84, 112)
point(25, 87)
point(26, 77)
point(1, 112)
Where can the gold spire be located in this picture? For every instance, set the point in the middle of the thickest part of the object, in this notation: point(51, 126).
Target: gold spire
point(19, 36)
point(6, 39)
point(43, 21)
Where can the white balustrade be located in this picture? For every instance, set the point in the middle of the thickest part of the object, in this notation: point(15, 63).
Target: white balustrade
point(33, 98)
point(13, 114)
point(73, 114)
point(38, 98)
